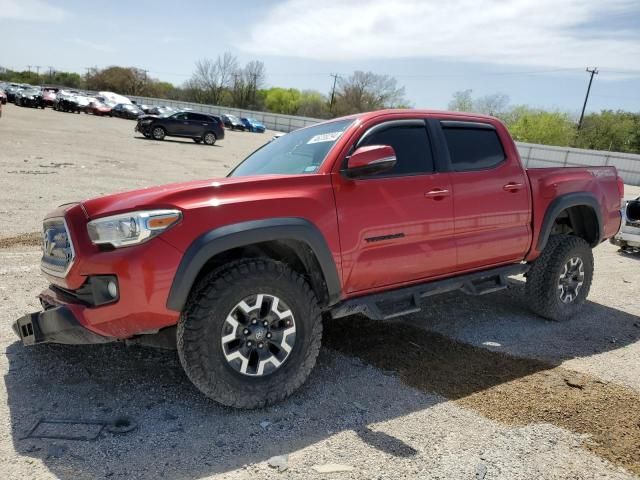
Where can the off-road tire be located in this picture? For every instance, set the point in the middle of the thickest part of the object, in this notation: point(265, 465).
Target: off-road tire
point(542, 279)
point(200, 328)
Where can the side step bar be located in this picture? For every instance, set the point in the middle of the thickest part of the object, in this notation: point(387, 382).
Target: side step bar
point(402, 301)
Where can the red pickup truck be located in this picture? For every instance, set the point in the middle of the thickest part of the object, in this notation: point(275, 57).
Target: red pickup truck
point(367, 214)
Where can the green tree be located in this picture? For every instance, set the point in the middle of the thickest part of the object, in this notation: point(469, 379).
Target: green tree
point(282, 100)
point(313, 104)
point(539, 126)
point(617, 131)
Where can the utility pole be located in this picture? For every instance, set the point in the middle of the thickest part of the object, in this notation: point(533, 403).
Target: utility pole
point(37, 67)
point(584, 106)
point(29, 68)
point(333, 90)
point(50, 72)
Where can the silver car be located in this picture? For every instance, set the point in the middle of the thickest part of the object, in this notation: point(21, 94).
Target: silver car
point(628, 238)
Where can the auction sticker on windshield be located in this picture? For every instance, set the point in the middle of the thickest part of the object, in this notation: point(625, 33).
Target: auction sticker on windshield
point(325, 137)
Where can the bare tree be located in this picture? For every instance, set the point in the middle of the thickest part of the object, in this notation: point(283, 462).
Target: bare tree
point(213, 77)
point(494, 104)
point(462, 101)
point(246, 83)
point(364, 91)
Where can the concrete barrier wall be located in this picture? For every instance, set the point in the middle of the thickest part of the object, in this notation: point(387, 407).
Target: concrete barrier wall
point(533, 155)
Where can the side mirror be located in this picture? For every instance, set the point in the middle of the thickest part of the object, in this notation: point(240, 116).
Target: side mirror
point(370, 160)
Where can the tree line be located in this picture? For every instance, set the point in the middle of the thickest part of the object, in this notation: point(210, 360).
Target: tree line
point(616, 131)
point(224, 81)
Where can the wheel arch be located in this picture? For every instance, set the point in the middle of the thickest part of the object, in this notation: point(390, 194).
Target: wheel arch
point(577, 213)
point(295, 241)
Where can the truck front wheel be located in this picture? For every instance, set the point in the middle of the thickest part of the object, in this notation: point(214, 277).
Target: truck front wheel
point(560, 278)
point(250, 333)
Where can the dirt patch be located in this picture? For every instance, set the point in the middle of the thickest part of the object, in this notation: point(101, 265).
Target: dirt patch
point(500, 387)
point(33, 239)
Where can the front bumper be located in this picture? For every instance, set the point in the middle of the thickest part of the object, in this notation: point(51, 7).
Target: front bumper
point(144, 128)
point(55, 325)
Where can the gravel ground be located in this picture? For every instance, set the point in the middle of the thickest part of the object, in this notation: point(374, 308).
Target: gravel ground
point(470, 388)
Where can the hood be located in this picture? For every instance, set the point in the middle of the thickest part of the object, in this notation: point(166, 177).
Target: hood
point(180, 195)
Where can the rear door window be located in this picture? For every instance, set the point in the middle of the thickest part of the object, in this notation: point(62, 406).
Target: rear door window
point(473, 148)
point(197, 117)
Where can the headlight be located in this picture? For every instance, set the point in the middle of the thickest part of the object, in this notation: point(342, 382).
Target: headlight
point(131, 228)
point(146, 122)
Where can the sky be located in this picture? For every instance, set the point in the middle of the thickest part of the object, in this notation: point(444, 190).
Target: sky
point(534, 51)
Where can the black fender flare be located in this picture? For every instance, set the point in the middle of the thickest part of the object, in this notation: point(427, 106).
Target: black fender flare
point(225, 238)
point(563, 202)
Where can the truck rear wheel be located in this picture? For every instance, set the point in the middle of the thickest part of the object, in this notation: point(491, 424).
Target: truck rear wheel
point(250, 333)
point(560, 278)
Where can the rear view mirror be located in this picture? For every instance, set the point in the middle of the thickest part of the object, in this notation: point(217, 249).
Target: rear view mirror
point(370, 160)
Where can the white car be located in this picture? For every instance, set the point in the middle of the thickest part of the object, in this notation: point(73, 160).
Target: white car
point(628, 238)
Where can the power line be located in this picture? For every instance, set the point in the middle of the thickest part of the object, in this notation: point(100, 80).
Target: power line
point(593, 72)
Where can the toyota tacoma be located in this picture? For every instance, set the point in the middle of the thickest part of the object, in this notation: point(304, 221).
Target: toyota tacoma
point(369, 214)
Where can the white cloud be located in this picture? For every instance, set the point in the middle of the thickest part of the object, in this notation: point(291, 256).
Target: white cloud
point(31, 10)
point(535, 33)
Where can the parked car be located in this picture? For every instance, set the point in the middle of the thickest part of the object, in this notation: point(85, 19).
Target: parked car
point(67, 102)
point(628, 238)
point(3, 97)
point(198, 126)
point(29, 98)
point(233, 122)
point(253, 125)
point(126, 110)
point(49, 96)
point(12, 90)
point(237, 272)
point(145, 108)
point(161, 110)
point(98, 108)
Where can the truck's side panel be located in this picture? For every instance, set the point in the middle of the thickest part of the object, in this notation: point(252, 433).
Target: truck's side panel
point(549, 184)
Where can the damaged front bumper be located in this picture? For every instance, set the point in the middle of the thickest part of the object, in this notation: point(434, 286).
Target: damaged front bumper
point(55, 325)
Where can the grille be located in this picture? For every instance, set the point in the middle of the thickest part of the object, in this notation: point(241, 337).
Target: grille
point(57, 249)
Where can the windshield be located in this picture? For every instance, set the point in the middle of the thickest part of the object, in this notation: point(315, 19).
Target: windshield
point(301, 151)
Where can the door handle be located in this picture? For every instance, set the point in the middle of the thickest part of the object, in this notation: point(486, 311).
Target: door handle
point(437, 193)
point(512, 187)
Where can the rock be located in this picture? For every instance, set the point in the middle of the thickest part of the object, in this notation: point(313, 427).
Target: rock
point(359, 406)
point(332, 468)
point(56, 451)
point(281, 462)
point(481, 471)
point(573, 384)
point(265, 425)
